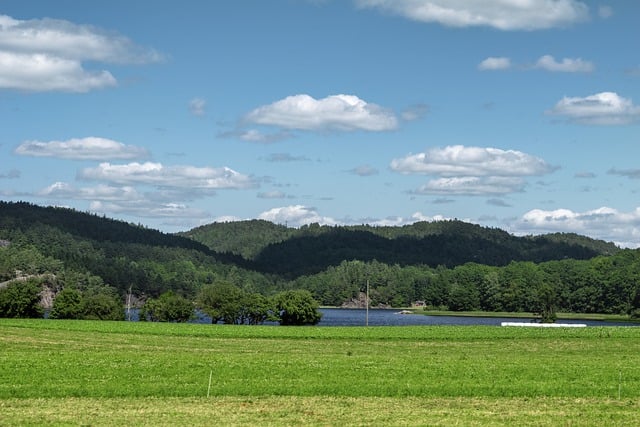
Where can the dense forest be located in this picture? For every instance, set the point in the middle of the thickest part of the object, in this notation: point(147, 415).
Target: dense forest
point(446, 264)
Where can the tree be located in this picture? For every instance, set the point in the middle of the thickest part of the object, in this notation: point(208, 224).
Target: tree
point(547, 304)
point(67, 305)
point(256, 309)
point(221, 301)
point(102, 304)
point(297, 307)
point(21, 299)
point(168, 307)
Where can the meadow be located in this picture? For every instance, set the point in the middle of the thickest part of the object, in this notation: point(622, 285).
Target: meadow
point(116, 373)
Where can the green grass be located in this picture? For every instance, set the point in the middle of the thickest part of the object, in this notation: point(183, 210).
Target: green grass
point(77, 372)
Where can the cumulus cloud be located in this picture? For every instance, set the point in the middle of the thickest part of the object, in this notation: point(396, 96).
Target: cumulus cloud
point(471, 171)
point(90, 148)
point(463, 161)
point(333, 113)
point(42, 72)
point(156, 174)
point(500, 14)
point(604, 223)
point(295, 216)
point(567, 65)
point(48, 55)
point(495, 63)
point(605, 108)
point(299, 215)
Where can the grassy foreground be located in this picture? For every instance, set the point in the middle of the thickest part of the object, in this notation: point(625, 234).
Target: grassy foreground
point(116, 373)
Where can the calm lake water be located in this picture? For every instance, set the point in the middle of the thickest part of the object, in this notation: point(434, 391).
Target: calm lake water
point(391, 317)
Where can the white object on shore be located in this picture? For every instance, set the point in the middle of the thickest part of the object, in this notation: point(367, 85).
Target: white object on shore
point(545, 325)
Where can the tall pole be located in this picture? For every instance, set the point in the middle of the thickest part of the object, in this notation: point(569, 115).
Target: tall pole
point(367, 305)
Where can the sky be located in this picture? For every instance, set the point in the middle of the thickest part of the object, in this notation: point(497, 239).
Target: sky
point(517, 114)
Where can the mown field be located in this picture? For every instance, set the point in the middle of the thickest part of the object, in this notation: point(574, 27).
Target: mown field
point(126, 373)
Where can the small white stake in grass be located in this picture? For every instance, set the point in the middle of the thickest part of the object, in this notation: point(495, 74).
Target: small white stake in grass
point(620, 384)
point(209, 388)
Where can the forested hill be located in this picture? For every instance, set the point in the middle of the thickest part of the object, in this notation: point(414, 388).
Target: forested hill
point(310, 249)
point(77, 247)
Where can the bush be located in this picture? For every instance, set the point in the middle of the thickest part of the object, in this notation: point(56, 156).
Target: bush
point(102, 304)
point(67, 305)
point(297, 308)
point(21, 299)
point(169, 307)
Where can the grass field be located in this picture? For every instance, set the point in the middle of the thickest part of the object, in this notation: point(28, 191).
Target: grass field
point(117, 373)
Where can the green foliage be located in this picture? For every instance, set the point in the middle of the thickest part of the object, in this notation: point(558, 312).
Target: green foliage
point(68, 304)
point(102, 304)
point(21, 299)
point(445, 263)
point(297, 308)
point(168, 307)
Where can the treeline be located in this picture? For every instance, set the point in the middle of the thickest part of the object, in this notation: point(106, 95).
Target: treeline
point(447, 264)
point(600, 285)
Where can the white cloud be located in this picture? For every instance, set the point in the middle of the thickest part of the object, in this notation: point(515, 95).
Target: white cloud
point(333, 113)
point(90, 148)
point(603, 223)
point(295, 216)
point(41, 72)
point(187, 177)
point(65, 190)
point(197, 106)
point(472, 186)
point(48, 55)
point(471, 171)
point(568, 65)
point(495, 63)
point(500, 14)
point(146, 209)
point(605, 108)
point(459, 161)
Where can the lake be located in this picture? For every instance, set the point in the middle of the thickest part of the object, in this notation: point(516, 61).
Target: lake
point(391, 317)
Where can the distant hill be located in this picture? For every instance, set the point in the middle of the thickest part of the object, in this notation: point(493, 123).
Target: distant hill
point(244, 238)
point(310, 249)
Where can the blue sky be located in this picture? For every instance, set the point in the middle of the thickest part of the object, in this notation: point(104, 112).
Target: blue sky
point(515, 114)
